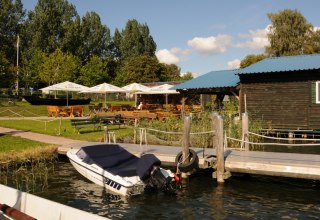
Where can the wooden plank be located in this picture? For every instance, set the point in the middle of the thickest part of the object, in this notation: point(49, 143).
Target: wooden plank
point(304, 166)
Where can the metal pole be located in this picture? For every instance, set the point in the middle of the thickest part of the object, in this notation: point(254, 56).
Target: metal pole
point(17, 80)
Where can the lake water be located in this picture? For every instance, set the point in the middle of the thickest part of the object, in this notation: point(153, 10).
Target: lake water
point(241, 197)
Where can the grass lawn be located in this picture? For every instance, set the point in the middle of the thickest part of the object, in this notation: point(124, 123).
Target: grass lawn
point(14, 144)
point(16, 150)
point(52, 125)
point(19, 150)
point(53, 128)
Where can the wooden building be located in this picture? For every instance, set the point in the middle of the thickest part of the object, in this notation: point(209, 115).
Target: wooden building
point(283, 91)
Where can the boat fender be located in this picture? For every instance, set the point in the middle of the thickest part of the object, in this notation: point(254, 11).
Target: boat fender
point(192, 164)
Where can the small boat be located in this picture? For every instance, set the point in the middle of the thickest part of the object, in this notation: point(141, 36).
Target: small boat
point(120, 172)
point(35, 100)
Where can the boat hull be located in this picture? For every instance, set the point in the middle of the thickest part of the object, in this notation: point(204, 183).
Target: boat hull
point(125, 186)
point(58, 102)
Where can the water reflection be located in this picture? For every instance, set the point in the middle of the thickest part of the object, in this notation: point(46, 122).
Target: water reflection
point(241, 197)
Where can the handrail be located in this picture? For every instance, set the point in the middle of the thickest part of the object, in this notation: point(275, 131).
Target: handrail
point(14, 213)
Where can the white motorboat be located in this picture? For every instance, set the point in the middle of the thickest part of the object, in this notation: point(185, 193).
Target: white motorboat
point(119, 171)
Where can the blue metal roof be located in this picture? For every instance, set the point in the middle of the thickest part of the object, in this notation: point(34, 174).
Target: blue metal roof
point(284, 64)
point(214, 79)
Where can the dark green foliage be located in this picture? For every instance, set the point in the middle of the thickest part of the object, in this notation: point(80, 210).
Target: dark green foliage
point(56, 44)
point(251, 59)
point(290, 33)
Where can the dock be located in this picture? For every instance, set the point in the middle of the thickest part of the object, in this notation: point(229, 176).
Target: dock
point(304, 166)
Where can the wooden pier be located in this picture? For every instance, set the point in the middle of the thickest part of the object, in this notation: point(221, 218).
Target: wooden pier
point(305, 166)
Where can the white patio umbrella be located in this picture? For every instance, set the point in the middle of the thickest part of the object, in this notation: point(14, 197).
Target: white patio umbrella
point(135, 87)
point(104, 88)
point(65, 86)
point(161, 89)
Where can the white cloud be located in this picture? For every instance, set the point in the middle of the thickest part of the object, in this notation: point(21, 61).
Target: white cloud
point(234, 64)
point(210, 45)
point(258, 39)
point(179, 51)
point(167, 57)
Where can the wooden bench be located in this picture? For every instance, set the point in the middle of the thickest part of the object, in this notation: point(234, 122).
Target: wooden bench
point(77, 124)
point(111, 120)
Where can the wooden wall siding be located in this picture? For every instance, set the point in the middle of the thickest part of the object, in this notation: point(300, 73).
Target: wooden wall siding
point(281, 104)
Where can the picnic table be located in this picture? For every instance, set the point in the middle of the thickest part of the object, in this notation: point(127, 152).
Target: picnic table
point(65, 111)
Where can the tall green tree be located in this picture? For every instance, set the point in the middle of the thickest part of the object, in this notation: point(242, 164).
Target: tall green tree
point(169, 73)
point(289, 33)
point(59, 67)
point(32, 68)
point(115, 45)
point(11, 17)
point(95, 38)
point(94, 72)
point(7, 71)
point(47, 25)
point(136, 40)
point(139, 69)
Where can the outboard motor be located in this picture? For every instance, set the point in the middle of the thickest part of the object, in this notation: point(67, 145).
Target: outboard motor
point(150, 172)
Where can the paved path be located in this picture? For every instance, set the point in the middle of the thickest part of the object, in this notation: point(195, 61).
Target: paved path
point(166, 154)
point(39, 137)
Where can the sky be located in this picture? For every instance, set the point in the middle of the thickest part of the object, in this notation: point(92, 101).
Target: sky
point(198, 36)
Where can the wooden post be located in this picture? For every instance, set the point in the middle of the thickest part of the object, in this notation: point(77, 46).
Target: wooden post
point(214, 127)
point(245, 130)
point(220, 149)
point(186, 142)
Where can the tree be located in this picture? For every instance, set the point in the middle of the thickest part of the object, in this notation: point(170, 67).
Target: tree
point(115, 45)
point(251, 59)
point(313, 46)
point(47, 25)
point(169, 72)
point(94, 72)
point(136, 40)
point(11, 16)
point(289, 33)
point(139, 69)
point(32, 68)
point(95, 38)
point(59, 67)
point(187, 76)
point(7, 71)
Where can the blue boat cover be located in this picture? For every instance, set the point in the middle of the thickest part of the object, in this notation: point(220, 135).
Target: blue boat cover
point(111, 157)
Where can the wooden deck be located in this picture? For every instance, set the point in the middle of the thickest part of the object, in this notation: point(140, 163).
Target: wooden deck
point(305, 166)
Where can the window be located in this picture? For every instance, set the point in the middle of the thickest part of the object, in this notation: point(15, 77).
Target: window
point(318, 92)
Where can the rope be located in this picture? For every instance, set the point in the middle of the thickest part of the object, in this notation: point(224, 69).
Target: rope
point(297, 139)
point(280, 144)
point(180, 133)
